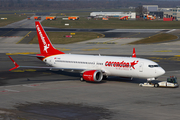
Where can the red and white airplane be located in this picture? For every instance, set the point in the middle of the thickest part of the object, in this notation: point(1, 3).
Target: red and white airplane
point(93, 67)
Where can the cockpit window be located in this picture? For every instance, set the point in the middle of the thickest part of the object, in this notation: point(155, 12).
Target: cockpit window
point(152, 66)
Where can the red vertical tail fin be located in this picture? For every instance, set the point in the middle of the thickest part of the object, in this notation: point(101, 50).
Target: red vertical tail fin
point(45, 45)
point(134, 53)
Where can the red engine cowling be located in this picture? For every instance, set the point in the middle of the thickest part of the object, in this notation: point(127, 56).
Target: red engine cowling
point(93, 75)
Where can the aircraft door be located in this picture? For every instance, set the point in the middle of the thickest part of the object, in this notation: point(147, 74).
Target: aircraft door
point(141, 67)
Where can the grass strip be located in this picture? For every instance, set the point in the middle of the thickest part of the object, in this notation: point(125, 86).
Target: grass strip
point(112, 23)
point(162, 37)
point(59, 37)
point(11, 18)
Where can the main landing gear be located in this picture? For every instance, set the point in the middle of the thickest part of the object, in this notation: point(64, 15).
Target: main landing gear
point(81, 79)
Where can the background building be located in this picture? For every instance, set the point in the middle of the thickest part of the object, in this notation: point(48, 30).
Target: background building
point(158, 14)
point(175, 13)
point(151, 8)
point(132, 15)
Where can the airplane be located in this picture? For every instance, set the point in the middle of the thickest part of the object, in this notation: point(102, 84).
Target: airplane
point(93, 68)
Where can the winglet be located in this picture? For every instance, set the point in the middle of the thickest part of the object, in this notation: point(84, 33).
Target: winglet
point(134, 53)
point(16, 65)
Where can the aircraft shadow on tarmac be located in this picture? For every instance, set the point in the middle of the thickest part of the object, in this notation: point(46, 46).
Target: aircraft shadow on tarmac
point(126, 79)
point(76, 76)
point(110, 78)
point(41, 75)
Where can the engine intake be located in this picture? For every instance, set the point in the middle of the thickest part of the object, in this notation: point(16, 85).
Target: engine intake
point(93, 75)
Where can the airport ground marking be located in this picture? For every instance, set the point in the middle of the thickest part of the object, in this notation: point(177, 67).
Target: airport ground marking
point(156, 60)
point(101, 43)
point(170, 30)
point(124, 37)
point(63, 49)
point(23, 53)
point(30, 70)
point(31, 85)
point(17, 71)
point(25, 70)
point(94, 49)
point(175, 58)
point(164, 51)
point(24, 37)
point(115, 39)
point(9, 90)
point(6, 33)
point(134, 34)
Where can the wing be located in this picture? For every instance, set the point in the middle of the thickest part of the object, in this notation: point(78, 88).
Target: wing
point(39, 67)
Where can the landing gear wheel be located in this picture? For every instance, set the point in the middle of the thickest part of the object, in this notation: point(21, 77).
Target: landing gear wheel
point(81, 79)
point(156, 85)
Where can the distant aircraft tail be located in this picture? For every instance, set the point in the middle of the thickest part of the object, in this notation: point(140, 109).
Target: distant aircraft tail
point(45, 45)
point(134, 53)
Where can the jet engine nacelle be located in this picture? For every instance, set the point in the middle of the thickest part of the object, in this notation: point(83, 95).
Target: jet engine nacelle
point(93, 75)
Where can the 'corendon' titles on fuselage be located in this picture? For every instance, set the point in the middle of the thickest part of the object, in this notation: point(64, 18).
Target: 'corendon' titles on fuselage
point(121, 64)
point(93, 68)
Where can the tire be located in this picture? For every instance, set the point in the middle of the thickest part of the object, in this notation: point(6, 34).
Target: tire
point(156, 85)
point(81, 79)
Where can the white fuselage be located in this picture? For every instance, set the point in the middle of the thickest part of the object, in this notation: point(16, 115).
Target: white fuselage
point(110, 65)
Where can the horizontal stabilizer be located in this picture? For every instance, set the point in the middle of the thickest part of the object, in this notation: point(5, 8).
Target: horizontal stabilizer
point(16, 65)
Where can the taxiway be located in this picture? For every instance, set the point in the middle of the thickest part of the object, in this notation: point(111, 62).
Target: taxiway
point(44, 94)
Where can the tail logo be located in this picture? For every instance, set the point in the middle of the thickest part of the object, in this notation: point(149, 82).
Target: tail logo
point(46, 46)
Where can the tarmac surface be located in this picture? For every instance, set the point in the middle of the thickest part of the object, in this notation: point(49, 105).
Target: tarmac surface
point(44, 95)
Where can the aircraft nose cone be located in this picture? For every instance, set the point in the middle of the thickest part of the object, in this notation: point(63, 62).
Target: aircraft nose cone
point(161, 71)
